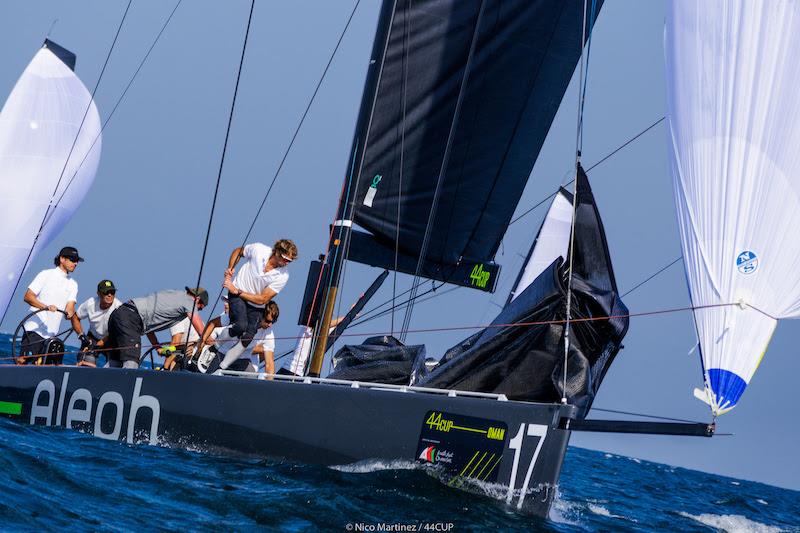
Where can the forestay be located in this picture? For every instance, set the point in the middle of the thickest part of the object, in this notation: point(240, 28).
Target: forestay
point(38, 125)
point(734, 123)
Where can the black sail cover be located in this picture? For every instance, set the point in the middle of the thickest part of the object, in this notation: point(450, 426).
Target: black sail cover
point(522, 354)
point(524, 55)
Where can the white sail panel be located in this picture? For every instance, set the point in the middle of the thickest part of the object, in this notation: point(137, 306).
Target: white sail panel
point(38, 126)
point(551, 242)
point(734, 125)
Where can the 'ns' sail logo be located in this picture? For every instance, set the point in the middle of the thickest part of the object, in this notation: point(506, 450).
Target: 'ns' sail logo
point(747, 262)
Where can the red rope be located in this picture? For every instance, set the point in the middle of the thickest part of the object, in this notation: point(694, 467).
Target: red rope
point(451, 328)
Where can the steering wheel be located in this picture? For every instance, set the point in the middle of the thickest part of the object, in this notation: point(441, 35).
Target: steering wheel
point(63, 336)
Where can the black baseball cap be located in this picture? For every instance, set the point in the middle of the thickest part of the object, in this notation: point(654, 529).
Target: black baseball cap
point(199, 292)
point(71, 253)
point(106, 286)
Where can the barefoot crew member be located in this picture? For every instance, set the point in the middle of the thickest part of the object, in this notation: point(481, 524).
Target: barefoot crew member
point(97, 311)
point(260, 278)
point(146, 316)
point(54, 290)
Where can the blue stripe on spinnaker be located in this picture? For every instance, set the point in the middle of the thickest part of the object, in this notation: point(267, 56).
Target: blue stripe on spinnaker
point(726, 386)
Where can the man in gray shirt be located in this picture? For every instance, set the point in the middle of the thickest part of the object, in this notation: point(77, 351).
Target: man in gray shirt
point(147, 315)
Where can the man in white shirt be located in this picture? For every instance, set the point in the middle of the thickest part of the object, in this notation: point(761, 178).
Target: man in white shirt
point(51, 290)
point(302, 350)
point(260, 278)
point(97, 311)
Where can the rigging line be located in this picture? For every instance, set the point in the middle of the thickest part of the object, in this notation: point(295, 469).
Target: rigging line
point(662, 269)
point(66, 162)
point(578, 147)
point(324, 296)
point(626, 143)
point(645, 415)
point(443, 170)
point(222, 162)
point(318, 326)
point(648, 128)
point(581, 81)
point(294, 136)
point(753, 307)
point(482, 326)
point(401, 305)
point(387, 302)
point(53, 25)
point(302, 119)
point(406, 47)
point(323, 259)
point(586, 72)
point(547, 322)
point(119, 101)
point(346, 208)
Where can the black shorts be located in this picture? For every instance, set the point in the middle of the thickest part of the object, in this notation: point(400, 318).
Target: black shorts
point(33, 344)
point(125, 330)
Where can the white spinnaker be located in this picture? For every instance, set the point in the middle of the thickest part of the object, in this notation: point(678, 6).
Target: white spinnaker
point(551, 242)
point(38, 126)
point(734, 125)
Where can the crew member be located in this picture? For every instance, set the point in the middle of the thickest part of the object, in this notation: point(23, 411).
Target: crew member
point(262, 276)
point(97, 311)
point(263, 345)
point(147, 315)
point(52, 289)
point(179, 343)
point(302, 350)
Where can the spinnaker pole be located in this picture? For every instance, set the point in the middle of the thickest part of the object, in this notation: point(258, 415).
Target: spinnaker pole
point(344, 219)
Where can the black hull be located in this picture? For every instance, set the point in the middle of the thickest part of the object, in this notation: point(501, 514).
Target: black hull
point(513, 444)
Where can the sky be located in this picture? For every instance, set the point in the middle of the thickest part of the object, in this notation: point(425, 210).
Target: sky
point(144, 221)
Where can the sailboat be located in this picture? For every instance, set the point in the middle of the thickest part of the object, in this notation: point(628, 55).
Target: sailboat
point(441, 152)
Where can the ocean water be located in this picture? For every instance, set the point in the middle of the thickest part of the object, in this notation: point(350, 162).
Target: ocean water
point(56, 479)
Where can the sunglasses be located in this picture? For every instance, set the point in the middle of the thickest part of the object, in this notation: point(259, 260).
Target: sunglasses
point(73, 258)
point(104, 293)
point(286, 259)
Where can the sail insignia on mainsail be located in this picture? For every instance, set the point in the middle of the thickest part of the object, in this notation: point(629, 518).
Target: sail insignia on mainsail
point(48, 117)
point(734, 129)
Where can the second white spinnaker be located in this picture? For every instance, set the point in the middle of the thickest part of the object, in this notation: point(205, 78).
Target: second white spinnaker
point(49, 152)
point(734, 126)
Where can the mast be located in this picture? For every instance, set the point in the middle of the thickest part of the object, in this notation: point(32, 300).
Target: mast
point(344, 218)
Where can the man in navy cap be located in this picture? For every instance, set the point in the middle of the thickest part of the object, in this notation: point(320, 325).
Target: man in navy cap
point(54, 292)
point(97, 310)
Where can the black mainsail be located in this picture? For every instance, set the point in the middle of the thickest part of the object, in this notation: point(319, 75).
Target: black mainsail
point(509, 63)
point(458, 100)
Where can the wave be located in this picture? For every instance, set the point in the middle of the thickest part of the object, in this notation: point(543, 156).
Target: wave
point(732, 523)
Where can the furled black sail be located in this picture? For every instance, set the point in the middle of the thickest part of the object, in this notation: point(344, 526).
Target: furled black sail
point(508, 62)
point(521, 354)
point(526, 361)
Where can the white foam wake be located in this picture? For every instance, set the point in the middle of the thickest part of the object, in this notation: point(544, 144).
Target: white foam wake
point(602, 511)
point(732, 523)
point(377, 465)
